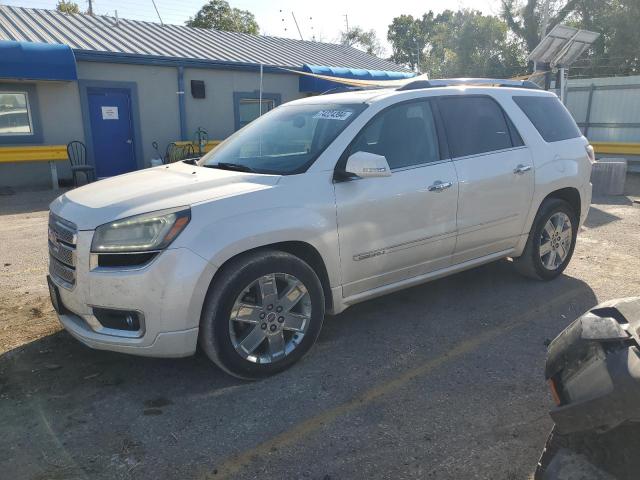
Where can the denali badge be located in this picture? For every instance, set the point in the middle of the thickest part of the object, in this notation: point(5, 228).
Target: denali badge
point(364, 256)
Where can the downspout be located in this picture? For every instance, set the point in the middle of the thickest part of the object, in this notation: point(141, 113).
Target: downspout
point(182, 111)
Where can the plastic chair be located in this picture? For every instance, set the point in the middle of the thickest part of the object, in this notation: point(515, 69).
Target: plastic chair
point(77, 154)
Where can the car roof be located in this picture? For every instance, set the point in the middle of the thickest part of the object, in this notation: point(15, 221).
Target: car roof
point(374, 95)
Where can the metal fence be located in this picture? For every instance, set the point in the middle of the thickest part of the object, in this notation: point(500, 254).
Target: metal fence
point(608, 110)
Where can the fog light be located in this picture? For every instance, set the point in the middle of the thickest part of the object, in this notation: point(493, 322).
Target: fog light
point(118, 319)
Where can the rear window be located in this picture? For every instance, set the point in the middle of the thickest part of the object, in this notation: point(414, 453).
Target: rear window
point(475, 125)
point(548, 115)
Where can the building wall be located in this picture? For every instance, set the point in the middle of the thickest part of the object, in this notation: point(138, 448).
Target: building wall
point(157, 97)
point(215, 112)
point(60, 122)
point(157, 90)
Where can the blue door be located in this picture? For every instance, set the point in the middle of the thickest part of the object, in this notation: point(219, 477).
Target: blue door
point(111, 131)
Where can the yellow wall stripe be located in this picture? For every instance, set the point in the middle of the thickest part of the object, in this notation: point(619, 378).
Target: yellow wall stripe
point(40, 153)
point(617, 148)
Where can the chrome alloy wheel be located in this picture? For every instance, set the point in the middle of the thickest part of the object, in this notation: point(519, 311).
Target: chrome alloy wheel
point(555, 241)
point(270, 318)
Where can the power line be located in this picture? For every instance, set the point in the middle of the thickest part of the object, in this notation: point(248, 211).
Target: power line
point(296, 22)
point(159, 17)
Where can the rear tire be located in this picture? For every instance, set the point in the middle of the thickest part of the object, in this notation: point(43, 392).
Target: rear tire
point(551, 241)
point(249, 327)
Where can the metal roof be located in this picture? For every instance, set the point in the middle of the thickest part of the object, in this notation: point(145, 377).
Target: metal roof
point(103, 35)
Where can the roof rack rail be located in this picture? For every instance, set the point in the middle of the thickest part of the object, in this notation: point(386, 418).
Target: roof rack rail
point(450, 82)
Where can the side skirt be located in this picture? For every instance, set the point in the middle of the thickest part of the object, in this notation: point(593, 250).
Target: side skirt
point(340, 304)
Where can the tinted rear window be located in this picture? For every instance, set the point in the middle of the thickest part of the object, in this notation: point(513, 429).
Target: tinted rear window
point(548, 115)
point(474, 125)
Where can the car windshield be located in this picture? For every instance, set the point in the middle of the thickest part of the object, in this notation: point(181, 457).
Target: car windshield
point(285, 141)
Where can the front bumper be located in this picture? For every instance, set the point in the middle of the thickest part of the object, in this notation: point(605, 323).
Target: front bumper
point(168, 292)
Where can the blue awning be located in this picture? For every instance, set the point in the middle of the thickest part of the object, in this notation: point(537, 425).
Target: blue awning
point(318, 85)
point(37, 61)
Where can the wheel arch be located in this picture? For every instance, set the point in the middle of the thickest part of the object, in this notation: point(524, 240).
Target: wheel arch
point(571, 195)
point(300, 249)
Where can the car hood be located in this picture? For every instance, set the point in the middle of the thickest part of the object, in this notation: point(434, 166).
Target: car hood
point(153, 189)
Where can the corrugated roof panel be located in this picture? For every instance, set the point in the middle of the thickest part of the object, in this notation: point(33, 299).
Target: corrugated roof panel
point(101, 34)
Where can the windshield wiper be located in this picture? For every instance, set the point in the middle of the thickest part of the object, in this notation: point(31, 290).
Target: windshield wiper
point(236, 167)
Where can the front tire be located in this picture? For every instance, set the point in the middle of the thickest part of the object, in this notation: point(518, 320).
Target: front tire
point(551, 241)
point(262, 314)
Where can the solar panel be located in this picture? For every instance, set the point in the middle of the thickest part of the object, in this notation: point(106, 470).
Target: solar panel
point(562, 46)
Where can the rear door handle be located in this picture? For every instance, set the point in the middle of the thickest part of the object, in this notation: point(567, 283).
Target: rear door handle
point(439, 186)
point(520, 169)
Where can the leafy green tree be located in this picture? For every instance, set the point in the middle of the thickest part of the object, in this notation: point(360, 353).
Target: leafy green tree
point(615, 52)
point(452, 44)
point(409, 37)
point(363, 40)
point(219, 15)
point(622, 37)
point(526, 20)
point(67, 6)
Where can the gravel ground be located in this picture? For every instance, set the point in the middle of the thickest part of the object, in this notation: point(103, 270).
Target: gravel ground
point(444, 380)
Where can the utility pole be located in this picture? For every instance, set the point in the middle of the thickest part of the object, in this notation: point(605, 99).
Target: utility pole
point(346, 20)
point(90, 11)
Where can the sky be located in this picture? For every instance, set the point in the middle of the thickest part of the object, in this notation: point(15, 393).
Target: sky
point(322, 19)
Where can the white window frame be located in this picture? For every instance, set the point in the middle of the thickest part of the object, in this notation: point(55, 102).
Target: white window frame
point(29, 114)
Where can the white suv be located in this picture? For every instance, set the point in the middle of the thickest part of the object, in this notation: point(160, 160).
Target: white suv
point(319, 204)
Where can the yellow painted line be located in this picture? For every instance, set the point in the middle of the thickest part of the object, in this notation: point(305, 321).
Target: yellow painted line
point(235, 464)
point(617, 148)
point(40, 153)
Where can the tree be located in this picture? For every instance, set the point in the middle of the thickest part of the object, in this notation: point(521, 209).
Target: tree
point(363, 40)
point(67, 6)
point(409, 37)
point(452, 44)
point(478, 45)
point(615, 52)
point(217, 14)
point(526, 21)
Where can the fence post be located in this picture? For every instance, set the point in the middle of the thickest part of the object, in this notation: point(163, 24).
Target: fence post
point(589, 103)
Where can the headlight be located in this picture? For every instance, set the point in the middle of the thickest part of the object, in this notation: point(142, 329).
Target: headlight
point(141, 233)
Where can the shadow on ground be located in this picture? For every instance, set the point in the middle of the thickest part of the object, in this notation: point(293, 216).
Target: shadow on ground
point(68, 412)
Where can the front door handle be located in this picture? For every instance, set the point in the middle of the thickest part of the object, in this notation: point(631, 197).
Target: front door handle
point(129, 141)
point(520, 169)
point(439, 186)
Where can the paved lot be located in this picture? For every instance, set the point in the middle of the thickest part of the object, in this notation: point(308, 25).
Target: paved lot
point(440, 381)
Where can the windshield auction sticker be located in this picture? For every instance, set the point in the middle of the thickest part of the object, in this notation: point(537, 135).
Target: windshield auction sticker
point(333, 114)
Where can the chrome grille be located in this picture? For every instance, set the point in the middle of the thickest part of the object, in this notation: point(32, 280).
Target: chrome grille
point(61, 272)
point(63, 253)
point(65, 231)
point(62, 246)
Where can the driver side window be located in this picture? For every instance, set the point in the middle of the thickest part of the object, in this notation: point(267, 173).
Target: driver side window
point(404, 134)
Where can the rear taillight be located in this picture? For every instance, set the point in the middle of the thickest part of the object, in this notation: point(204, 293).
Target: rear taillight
point(591, 153)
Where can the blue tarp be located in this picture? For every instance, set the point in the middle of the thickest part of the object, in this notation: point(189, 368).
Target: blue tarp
point(37, 61)
point(318, 85)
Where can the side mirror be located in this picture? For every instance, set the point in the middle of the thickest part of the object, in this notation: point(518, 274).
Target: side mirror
point(365, 165)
